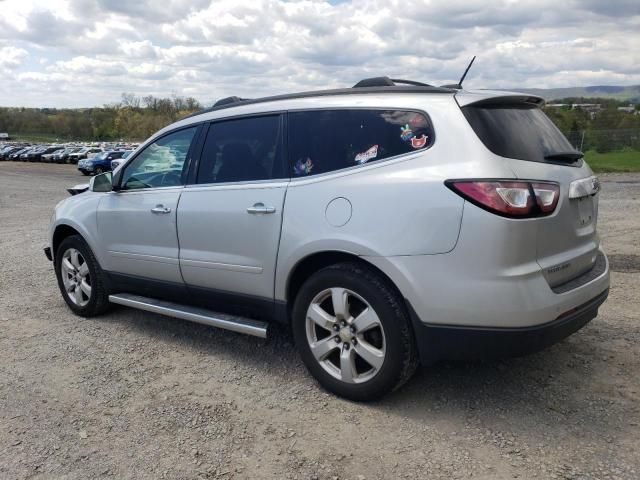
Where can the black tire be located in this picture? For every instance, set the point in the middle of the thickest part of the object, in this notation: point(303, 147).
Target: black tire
point(99, 171)
point(400, 359)
point(85, 173)
point(99, 299)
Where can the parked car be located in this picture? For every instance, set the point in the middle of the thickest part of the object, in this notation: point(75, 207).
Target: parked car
point(62, 155)
point(4, 149)
point(16, 155)
point(386, 224)
point(47, 154)
point(99, 163)
point(83, 153)
point(117, 162)
point(8, 151)
point(30, 153)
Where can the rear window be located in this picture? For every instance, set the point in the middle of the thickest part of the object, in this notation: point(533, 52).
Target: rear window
point(521, 131)
point(322, 141)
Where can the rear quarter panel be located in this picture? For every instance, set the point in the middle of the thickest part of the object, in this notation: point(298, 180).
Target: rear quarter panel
point(399, 207)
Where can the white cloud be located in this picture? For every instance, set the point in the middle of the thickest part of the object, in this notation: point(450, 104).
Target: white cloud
point(12, 57)
point(86, 52)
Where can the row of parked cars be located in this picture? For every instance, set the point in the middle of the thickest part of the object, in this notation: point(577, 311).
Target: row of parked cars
point(91, 159)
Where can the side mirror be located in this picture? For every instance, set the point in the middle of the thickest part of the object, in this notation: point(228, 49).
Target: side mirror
point(101, 183)
point(116, 179)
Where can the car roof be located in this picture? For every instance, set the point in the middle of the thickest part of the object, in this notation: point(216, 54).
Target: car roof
point(231, 102)
point(239, 106)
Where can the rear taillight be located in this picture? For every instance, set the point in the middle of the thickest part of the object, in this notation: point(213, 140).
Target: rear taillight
point(514, 199)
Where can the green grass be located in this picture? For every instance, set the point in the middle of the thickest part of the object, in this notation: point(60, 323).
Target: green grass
point(35, 137)
point(622, 161)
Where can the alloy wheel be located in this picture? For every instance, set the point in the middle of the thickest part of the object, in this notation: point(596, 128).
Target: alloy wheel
point(345, 335)
point(76, 277)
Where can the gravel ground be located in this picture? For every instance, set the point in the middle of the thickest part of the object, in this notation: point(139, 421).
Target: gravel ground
point(137, 395)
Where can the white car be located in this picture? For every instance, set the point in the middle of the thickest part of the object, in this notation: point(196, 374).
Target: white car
point(387, 224)
point(119, 161)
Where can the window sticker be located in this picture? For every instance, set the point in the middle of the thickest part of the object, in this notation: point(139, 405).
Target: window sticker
point(417, 121)
point(364, 157)
point(303, 166)
point(419, 142)
point(406, 133)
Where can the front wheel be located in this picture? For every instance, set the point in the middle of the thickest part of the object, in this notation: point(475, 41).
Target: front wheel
point(80, 278)
point(99, 170)
point(353, 333)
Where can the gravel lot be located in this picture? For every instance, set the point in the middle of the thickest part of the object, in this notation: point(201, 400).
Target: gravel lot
point(137, 395)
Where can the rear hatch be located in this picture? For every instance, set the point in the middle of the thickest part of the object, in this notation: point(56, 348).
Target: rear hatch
point(515, 128)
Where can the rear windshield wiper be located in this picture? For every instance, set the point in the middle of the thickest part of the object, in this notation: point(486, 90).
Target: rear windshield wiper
point(571, 156)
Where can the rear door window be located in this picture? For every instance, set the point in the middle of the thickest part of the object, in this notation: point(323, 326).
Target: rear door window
point(519, 131)
point(323, 141)
point(243, 150)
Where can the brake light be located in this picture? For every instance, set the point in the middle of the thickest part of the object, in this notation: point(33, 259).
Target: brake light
point(514, 199)
point(547, 195)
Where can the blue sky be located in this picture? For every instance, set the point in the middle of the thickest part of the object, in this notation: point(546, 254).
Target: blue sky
point(79, 53)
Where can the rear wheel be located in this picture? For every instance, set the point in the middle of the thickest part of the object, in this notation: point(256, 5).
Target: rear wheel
point(80, 278)
point(352, 332)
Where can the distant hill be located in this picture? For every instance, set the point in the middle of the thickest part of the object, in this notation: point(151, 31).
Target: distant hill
point(630, 93)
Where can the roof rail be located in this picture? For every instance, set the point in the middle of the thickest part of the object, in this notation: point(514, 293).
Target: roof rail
point(387, 82)
point(228, 101)
point(414, 87)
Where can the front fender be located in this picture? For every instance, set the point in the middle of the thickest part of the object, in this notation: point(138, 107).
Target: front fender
point(80, 213)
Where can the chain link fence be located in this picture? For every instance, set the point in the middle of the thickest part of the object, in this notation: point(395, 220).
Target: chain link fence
point(605, 140)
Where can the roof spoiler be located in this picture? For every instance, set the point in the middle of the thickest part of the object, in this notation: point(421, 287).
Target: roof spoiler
point(493, 97)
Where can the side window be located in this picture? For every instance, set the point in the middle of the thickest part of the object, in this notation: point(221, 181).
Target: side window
point(242, 150)
point(326, 140)
point(161, 163)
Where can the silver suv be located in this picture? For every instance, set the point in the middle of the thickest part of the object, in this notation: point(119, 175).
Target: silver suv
point(387, 224)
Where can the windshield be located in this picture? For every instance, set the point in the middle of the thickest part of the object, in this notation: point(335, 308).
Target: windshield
point(520, 131)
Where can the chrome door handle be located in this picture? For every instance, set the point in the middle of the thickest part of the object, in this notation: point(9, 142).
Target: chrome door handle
point(160, 209)
point(260, 208)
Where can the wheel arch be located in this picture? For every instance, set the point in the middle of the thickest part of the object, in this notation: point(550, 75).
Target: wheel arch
point(314, 262)
point(61, 232)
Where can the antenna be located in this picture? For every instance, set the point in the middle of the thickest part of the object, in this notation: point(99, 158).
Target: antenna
point(464, 75)
point(458, 86)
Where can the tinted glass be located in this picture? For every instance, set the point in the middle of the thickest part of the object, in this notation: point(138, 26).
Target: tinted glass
point(522, 132)
point(326, 140)
point(242, 150)
point(161, 163)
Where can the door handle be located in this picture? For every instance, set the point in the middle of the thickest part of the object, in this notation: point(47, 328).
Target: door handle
point(260, 208)
point(160, 209)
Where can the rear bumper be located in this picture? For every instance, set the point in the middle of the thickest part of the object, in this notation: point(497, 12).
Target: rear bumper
point(449, 342)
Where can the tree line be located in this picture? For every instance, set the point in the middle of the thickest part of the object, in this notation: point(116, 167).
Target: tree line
point(137, 117)
point(602, 130)
point(133, 118)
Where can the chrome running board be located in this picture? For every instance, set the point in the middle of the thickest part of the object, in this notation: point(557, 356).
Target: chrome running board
point(192, 314)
